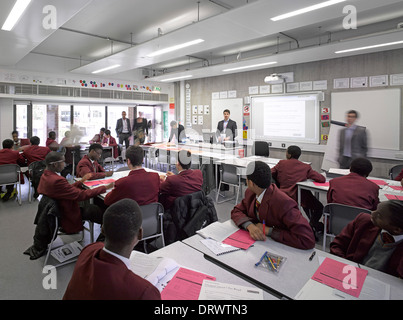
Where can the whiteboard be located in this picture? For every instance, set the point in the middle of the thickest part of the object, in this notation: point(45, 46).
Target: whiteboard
point(235, 106)
point(379, 111)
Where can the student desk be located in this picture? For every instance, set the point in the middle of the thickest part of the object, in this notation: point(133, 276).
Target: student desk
point(293, 275)
point(190, 258)
point(383, 190)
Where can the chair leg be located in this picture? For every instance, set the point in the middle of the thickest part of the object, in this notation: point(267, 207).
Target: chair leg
point(324, 233)
point(218, 192)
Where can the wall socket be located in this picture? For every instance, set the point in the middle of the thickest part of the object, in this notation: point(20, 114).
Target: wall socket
point(283, 145)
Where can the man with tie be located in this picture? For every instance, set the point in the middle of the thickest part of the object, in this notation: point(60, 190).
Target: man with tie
point(227, 128)
point(374, 240)
point(265, 204)
point(123, 130)
point(89, 164)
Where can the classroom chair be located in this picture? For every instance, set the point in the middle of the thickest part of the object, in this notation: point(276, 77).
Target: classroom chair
point(11, 174)
point(153, 223)
point(35, 171)
point(336, 217)
point(394, 171)
point(260, 148)
point(231, 177)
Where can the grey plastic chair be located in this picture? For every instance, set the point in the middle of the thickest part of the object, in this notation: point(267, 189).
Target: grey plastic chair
point(336, 217)
point(153, 223)
point(394, 171)
point(231, 177)
point(11, 174)
point(260, 148)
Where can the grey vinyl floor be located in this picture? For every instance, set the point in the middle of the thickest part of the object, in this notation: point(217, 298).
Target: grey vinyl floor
point(25, 279)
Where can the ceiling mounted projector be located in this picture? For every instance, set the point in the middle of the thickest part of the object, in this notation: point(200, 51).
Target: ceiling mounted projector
point(274, 78)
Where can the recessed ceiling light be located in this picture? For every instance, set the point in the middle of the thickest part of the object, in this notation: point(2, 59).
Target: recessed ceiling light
point(107, 68)
point(176, 78)
point(173, 48)
point(15, 14)
point(250, 66)
point(307, 9)
point(370, 47)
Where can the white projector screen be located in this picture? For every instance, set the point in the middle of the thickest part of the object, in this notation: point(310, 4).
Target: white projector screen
point(291, 118)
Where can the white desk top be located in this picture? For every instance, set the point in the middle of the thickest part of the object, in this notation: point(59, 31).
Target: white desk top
point(296, 271)
point(190, 258)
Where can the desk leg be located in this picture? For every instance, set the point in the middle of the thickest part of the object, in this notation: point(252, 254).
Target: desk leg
point(299, 198)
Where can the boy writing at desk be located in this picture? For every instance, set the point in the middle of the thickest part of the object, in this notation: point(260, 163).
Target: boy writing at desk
point(265, 203)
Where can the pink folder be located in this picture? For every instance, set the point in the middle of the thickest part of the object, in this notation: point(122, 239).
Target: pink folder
point(240, 239)
point(95, 183)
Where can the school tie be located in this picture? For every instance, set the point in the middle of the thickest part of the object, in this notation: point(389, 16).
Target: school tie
point(257, 205)
point(387, 238)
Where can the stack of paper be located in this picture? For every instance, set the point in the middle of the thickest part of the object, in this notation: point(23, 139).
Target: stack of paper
point(67, 252)
point(213, 290)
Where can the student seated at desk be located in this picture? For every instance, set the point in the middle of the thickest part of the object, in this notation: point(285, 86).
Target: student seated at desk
point(109, 141)
point(99, 137)
point(288, 172)
point(355, 189)
point(139, 185)
point(264, 203)
point(10, 156)
point(374, 240)
point(34, 152)
point(89, 164)
point(102, 271)
point(187, 180)
point(51, 142)
point(69, 195)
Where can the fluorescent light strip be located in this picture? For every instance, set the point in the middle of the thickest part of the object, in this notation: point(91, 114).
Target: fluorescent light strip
point(177, 78)
point(15, 14)
point(173, 48)
point(307, 9)
point(107, 68)
point(251, 66)
point(371, 47)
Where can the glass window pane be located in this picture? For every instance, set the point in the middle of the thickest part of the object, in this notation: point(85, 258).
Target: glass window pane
point(64, 121)
point(88, 120)
point(21, 120)
point(39, 122)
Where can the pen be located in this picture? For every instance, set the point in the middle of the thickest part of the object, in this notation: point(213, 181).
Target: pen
point(261, 259)
point(271, 262)
point(312, 255)
point(264, 227)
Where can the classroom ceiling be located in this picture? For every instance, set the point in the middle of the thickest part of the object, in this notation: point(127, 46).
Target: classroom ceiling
point(92, 35)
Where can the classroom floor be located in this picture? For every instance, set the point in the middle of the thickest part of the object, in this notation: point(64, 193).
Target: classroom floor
point(23, 279)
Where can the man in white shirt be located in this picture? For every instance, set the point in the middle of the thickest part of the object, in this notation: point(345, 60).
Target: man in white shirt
point(123, 130)
point(227, 128)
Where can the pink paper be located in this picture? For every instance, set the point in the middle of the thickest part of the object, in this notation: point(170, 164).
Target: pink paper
point(390, 196)
point(240, 239)
point(378, 182)
point(396, 188)
point(341, 276)
point(319, 184)
point(185, 285)
point(98, 182)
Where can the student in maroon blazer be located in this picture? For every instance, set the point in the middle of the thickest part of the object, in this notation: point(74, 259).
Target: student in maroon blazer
point(288, 172)
point(34, 152)
point(102, 271)
point(265, 203)
point(139, 185)
point(400, 177)
point(69, 195)
point(355, 189)
point(10, 156)
point(89, 164)
point(187, 181)
point(110, 141)
point(51, 142)
point(364, 240)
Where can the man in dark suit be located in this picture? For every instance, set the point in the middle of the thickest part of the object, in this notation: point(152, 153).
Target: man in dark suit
point(139, 185)
point(265, 204)
point(355, 189)
point(227, 128)
point(102, 271)
point(123, 130)
point(352, 141)
point(187, 181)
point(177, 131)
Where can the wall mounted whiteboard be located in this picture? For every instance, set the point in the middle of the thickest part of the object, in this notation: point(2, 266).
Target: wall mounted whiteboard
point(286, 118)
point(235, 106)
point(379, 111)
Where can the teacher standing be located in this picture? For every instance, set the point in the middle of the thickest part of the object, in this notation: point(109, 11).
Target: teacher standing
point(123, 131)
point(140, 129)
point(227, 128)
point(352, 141)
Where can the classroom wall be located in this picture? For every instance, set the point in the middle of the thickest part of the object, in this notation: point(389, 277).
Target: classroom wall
point(388, 62)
